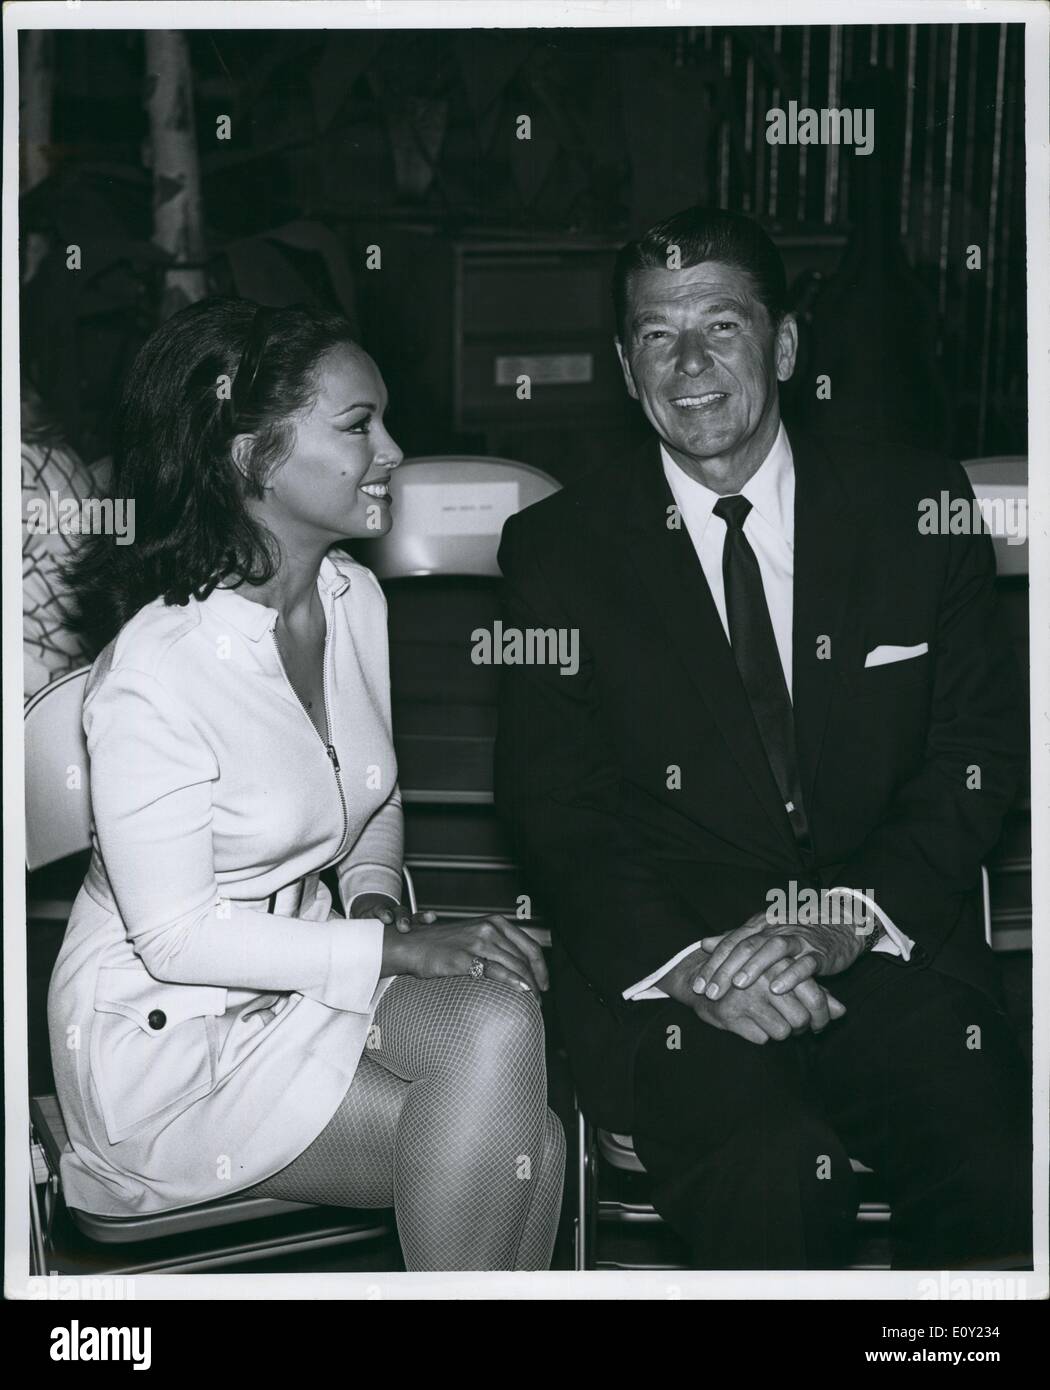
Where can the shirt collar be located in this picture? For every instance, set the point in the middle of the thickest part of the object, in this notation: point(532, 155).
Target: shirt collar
point(770, 489)
point(254, 619)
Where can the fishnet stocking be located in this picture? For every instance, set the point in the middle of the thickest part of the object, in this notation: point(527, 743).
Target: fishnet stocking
point(447, 1122)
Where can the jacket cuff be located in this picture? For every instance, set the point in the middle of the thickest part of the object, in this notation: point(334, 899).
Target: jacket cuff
point(647, 988)
point(355, 960)
point(369, 878)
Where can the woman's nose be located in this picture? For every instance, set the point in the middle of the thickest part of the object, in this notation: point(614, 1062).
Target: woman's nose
point(389, 455)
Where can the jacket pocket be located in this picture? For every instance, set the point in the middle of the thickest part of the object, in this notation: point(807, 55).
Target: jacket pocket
point(889, 677)
point(152, 1047)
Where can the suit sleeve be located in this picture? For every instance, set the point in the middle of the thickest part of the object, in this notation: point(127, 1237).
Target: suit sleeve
point(924, 859)
point(557, 786)
point(151, 796)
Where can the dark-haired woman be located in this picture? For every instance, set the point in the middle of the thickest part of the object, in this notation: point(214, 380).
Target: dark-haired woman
point(215, 1026)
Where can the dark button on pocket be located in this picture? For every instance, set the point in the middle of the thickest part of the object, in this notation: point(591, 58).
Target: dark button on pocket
point(157, 1018)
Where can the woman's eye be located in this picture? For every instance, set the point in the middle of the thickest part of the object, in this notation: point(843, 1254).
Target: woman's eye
point(359, 426)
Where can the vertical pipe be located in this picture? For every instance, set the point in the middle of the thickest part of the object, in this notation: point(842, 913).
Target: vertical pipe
point(974, 33)
point(832, 154)
point(723, 172)
point(909, 122)
point(749, 130)
point(1012, 138)
point(760, 148)
point(803, 150)
point(946, 187)
point(929, 136)
point(993, 228)
point(774, 150)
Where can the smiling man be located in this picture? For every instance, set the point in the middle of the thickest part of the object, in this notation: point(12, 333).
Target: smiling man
point(785, 693)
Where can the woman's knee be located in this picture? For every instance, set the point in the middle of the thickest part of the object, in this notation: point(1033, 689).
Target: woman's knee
point(506, 1024)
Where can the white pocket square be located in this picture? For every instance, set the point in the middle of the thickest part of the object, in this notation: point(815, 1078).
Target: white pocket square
point(882, 656)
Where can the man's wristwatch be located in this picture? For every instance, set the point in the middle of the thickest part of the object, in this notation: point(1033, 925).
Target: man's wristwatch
point(872, 938)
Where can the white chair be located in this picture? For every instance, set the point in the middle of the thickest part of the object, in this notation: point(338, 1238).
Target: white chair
point(58, 824)
point(449, 512)
point(1000, 485)
point(439, 570)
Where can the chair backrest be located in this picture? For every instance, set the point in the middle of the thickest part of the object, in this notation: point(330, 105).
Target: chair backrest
point(449, 511)
point(58, 798)
point(1001, 487)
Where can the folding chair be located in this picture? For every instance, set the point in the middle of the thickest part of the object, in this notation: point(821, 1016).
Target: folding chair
point(58, 824)
point(439, 571)
point(1001, 484)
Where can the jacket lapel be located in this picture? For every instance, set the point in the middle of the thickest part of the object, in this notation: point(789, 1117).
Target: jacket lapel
point(827, 560)
point(668, 567)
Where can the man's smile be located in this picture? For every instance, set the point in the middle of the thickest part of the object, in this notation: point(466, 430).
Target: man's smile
point(710, 400)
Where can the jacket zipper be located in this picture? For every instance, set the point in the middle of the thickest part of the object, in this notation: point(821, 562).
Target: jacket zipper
point(329, 748)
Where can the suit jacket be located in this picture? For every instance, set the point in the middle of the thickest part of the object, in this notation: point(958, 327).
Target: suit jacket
point(203, 1031)
point(638, 790)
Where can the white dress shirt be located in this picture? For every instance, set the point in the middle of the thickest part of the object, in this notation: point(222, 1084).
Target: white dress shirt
point(770, 531)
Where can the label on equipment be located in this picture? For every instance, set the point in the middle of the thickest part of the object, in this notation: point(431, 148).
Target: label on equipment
point(456, 509)
point(547, 369)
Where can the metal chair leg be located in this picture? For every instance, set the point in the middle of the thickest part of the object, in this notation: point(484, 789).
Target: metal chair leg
point(586, 1193)
point(37, 1252)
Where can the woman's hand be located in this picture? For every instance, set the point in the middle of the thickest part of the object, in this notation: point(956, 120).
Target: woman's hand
point(390, 913)
point(510, 954)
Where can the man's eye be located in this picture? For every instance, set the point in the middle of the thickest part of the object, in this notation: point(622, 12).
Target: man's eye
point(726, 323)
point(650, 333)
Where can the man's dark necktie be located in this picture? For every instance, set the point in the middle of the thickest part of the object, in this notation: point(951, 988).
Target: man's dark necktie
point(757, 659)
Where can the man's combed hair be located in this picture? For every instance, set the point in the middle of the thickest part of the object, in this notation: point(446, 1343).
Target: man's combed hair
point(172, 458)
point(704, 234)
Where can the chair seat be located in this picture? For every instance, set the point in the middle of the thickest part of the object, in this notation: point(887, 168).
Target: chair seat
point(50, 1131)
point(618, 1151)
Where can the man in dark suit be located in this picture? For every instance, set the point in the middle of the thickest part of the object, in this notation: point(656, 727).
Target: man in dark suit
point(757, 810)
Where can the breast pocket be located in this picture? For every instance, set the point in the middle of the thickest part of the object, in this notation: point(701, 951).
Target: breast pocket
point(152, 1047)
point(890, 678)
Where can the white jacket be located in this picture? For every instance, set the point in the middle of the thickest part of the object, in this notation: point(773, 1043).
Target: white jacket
point(199, 1042)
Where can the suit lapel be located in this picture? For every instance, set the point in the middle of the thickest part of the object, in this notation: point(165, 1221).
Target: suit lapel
point(668, 567)
point(827, 561)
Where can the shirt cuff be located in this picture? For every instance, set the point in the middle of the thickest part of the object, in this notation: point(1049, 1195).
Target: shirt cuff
point(354, 962)
point(894, 942)
point(647, 989)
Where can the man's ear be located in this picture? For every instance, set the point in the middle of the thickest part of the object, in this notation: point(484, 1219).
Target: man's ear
point(632, 390)
point(786, 347)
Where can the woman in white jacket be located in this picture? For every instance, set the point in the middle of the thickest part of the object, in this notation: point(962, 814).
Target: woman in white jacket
point(215, 1025)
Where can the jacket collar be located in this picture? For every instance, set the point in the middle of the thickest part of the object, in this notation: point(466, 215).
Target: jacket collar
point(825, 539)
point(254, 619)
